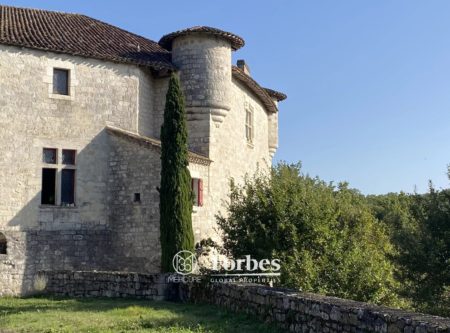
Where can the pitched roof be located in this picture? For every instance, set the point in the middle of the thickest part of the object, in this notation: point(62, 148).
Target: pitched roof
point(236, 41)
point(78, 35)
point(254, 87)
point(279, 96)
point(155, 143)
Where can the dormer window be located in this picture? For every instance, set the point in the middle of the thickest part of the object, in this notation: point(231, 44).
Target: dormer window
point(61, 79)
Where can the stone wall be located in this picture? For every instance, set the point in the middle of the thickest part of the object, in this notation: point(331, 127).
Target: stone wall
point(32, 118)
point(304, 312)
point(101, 93)
point(135, 169)
point(70, 249)
point(108, 284)
point(233, 156)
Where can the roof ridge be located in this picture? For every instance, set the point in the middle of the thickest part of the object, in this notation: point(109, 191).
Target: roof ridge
point(193, 156)
point(121, 29)
point(81, 15)
point(41, 10)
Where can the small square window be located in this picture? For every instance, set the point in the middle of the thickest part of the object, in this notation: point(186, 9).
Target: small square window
point(49, 155)
point(60, 81)
point(137, 197)
point(68, 156)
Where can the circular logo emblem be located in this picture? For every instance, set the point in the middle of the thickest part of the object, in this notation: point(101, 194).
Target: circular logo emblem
point(184, 262)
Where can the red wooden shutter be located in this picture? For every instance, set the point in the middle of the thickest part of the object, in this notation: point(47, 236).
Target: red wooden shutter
point(200, 192)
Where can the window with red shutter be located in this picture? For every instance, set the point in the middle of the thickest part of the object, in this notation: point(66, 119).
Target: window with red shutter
point(197, 189)
point(200, 192)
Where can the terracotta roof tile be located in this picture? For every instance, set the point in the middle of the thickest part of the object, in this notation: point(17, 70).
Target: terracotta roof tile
point(192, 156)
point(253, 86)
point(279, 96)
point(78, 35)
point(236, 41)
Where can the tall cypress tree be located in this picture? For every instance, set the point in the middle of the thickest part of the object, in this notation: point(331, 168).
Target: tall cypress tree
point(175, 191)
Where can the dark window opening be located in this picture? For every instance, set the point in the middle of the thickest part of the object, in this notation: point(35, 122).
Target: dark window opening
point(60, 81)
point(68, 156)
point(48, 194)
point(49, 155)
point(137, 197)
point(67, 187)
point(3, 243)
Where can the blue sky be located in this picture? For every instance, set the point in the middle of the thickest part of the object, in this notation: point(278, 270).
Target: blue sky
point(368, 81)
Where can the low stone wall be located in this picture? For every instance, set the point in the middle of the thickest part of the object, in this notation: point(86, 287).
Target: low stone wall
point(107, 284)
point(293, 311)
point(304, 312)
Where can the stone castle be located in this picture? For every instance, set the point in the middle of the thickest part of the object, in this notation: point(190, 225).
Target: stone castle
point(81, 108)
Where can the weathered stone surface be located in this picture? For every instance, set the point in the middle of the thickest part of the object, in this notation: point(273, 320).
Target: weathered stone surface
point(312, 313)
point(108, 284)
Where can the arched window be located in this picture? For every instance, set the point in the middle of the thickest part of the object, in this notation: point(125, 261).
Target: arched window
point(3, 244)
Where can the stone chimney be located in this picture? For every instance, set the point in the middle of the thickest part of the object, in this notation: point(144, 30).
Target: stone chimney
point(243, 66)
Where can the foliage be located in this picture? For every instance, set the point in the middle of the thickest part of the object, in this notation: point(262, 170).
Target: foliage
point(420, 230)
point(121, 315)
point(176, 196)
point(326, 237)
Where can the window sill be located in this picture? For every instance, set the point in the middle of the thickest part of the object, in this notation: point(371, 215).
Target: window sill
point(56, 207)
point(62, 97)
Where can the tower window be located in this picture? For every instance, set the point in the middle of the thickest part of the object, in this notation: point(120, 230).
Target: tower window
point(3, 244)
point(249, 125)
point(137, 197)
point(60, 81)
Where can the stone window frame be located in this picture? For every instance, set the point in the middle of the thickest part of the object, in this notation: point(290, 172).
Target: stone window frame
point(48, 78)
point(59, 167)
point(249, 124)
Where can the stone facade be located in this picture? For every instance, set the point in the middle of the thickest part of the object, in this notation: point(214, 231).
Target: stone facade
point(304, 312)
point(114, 224)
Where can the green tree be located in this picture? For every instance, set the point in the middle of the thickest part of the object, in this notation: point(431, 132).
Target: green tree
point(326, 236)
point(175, 190)
point(424, 252)
point(419, 227)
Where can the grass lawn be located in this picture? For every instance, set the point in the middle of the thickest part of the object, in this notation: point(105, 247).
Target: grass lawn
point(120, 315)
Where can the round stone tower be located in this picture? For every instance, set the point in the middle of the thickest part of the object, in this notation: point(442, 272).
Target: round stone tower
point(203, 57)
